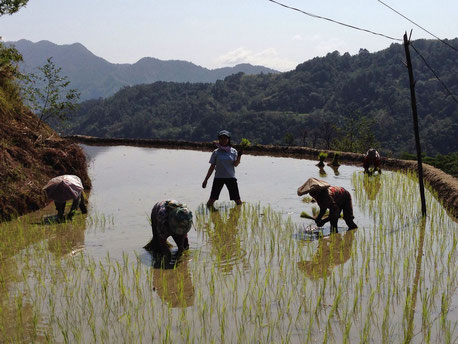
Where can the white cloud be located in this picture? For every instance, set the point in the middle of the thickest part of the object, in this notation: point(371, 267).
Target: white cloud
point(267, 57)
point(321, 46)
point(297, 38)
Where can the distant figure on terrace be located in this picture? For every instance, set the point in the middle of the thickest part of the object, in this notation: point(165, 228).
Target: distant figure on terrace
point(334, 198)
point(372, 159)
point(169, 218)
point(223, 160)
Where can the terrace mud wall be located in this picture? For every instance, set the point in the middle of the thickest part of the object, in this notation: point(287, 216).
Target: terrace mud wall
point(442, 183)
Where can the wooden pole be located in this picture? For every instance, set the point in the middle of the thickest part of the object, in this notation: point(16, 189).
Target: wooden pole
point(415, 125)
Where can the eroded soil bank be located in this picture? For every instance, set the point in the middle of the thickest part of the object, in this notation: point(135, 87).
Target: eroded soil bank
point(445, 185)
point(31, 153)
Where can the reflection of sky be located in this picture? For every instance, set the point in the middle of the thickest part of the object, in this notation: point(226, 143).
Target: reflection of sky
point(128, 181)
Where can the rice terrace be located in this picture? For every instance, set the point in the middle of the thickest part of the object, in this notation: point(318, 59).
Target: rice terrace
point(228, 172)
point(250, 274)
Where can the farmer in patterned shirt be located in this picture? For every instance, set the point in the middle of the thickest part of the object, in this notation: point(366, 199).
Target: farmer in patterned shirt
point(334, 198)
point(169, 218)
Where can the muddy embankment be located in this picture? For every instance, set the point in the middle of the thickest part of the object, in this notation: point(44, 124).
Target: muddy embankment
point(31, 153)
point(443, 184)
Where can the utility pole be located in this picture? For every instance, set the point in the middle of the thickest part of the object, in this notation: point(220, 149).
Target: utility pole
point(415, 125)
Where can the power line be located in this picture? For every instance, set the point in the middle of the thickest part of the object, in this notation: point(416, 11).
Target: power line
point(435, 74)
point(379, 34)
point(391, 8)
point(334, 21)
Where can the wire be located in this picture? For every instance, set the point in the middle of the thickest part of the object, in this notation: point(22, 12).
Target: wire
point(435, 74)
point(334, 21)
point(391, 8)
point(380, 34)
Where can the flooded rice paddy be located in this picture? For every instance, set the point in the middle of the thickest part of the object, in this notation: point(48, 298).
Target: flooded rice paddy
point(251, 275)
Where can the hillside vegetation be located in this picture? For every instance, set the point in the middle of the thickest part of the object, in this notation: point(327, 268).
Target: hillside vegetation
point(340, 102)
point(95, 77)
point(30, 154)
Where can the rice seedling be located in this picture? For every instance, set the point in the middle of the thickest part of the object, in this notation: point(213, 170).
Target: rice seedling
point(248, 278)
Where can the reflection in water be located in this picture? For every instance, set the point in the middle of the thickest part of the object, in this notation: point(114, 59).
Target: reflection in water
point(174, 286)
point(322, 172)
point(332, 251)
point(33, 236)
point(222, 230)
point(335, 169)
point(372, 185)
point(416, 281)
point(68, 239)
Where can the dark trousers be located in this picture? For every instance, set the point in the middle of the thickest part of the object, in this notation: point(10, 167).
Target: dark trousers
point(231, 184)
point(78, 202)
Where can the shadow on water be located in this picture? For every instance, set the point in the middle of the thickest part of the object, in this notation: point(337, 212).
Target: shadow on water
point(332, 251)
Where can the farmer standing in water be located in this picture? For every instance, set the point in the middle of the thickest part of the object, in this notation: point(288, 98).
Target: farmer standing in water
point(334, 198)
point(223, 160)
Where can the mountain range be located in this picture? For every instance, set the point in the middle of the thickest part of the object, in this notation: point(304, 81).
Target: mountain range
point(95, 77)
point(340, 101)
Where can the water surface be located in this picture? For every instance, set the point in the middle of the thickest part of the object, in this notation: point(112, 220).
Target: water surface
point(127, 181)
point(249, 275)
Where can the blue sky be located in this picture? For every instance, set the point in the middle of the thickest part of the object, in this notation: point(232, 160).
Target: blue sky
point(216, 33)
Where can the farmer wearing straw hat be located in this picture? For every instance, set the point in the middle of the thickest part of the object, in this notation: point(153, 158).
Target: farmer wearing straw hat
point(169, 218)
point(334, 198)
point(223, 160)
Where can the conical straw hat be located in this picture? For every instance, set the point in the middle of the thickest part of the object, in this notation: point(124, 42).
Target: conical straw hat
point(312, 184)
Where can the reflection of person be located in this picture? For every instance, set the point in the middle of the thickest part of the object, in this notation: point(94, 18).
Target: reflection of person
point(372, 159)
point(223, 161)
point(68, 239)
point(331, 251)
point(334, 198)
point(77, 202)
point(223, 237)
point(335, 169)
point(174, 286)
point(372, 186)
point(169, 218)
point(322, 171)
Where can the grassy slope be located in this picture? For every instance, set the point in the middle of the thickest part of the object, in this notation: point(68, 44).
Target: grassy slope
point(29, 157)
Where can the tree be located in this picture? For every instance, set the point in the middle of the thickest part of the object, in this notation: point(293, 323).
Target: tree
point(45, 94)
point(328, 131)
point(9, 58)
point(11, 6)
point(288, 139)
point(357, 134)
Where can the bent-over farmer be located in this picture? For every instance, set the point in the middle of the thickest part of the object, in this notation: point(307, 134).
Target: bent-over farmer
point(169, 218)
point(64, 188)
point(334, 198)
point(372, 159)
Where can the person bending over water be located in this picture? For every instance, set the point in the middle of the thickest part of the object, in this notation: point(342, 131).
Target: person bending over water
point(169, 218)
point(334, 198)
point(372, 159)
point(223, 161)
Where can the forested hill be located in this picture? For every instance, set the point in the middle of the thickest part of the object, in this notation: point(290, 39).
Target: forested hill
point(95, 77)
point(339, 102)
